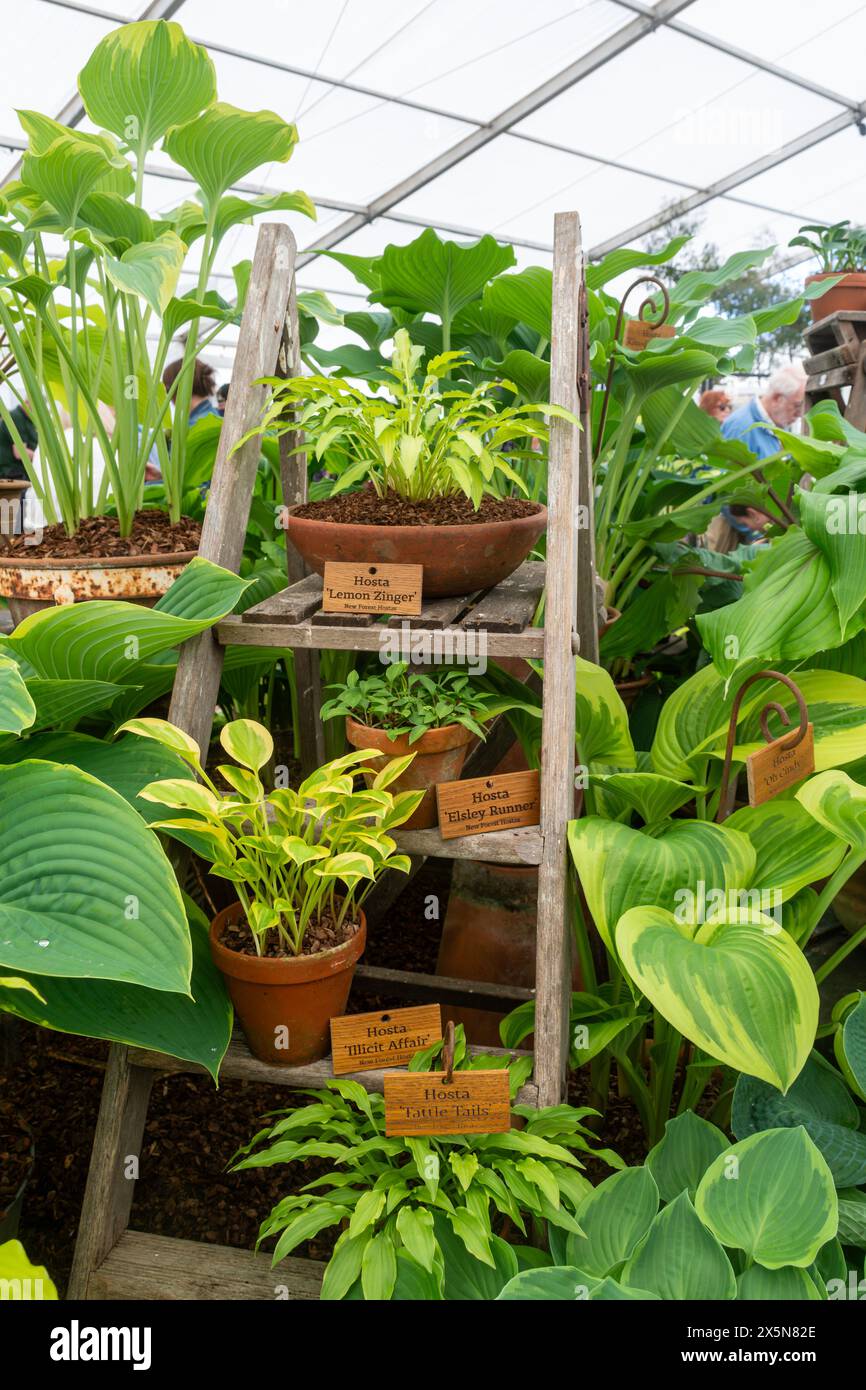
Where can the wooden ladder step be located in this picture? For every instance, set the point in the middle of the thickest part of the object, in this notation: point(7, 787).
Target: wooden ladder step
point(239, 1064)
point(524, 846)
point(143, 1266)
point(442, 989)
point(510, 607)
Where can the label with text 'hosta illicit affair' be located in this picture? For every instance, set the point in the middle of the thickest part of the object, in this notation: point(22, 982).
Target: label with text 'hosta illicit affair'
point(365, 1042)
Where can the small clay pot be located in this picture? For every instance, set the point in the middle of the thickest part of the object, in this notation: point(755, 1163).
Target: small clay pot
point(287, 999)
point(628, 691)
point(456, 559)
point(439, 757)
point(850, 293)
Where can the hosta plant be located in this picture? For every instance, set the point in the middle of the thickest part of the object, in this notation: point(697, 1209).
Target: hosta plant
point(839, 247)
point(406, 702)
point(292, 855)
point(423, 1217)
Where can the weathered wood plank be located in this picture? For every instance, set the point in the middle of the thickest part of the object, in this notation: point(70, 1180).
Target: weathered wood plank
point(825, 381)
point(436, 613)
point(553, 964)
point(350, 620)
point(290, 605)
point(413, 984)
point(586, 611)
point(831, 359)
point(512, 604)
point(523, 846)
point(161, 1268)
point(234, 631)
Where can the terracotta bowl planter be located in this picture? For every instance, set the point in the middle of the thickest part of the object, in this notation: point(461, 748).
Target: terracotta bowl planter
point(439, 757)
point(456, 559)
point(850, 293)
point(32, 584)
point(297, 993)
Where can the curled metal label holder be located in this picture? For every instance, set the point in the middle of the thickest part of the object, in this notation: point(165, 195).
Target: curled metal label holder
point(728, 789)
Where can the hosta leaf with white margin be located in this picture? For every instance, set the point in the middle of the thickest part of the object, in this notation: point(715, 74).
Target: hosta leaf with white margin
point(196, 1029)
point(17, 708)
point(86, 890)
point(653, 796)
point(620, 868)
point(792, 851)
point(143, 78)
point(820, 1101)
point(223, 145)
point(850, 1046)
point(683, 1154)
point(126, 766)
point(780, 1207)
point(839, 805)
point(103, 639)
point(615, 1216)
point(737, 986)
point(680, 1259)
point(786, 1285)
point(438, 277)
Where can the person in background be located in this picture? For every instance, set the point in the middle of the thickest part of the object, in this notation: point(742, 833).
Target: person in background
point(735, 525)
point(781, 403)
point(716, 403)
point(203, 384)
point(222, 396)
point(11, 465)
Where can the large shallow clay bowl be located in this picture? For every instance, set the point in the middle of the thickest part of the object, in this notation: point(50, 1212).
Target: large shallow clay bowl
point(456, 559)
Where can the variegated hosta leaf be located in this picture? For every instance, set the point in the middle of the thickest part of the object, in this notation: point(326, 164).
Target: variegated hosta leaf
point(839, 805)
point(791, 850)
point(224, 144)
point(601, 720)
point(739, 989)
point(150, 269)
point(620, 868)
point(771, 1195)
point(65, 165)
point(653, 796)
point(248, 742)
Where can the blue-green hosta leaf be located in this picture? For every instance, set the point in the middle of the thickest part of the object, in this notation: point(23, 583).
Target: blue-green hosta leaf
point(850, 1045)
point(143, 78)
point(86, 890)
point(839, 805)
point(791, 850)
point(820, 1101)
point(679, 1258)
point(197, 1029)
point(564, 1284)
point(103, 639)
point(615, 1217)
point(683, 1154)
point(771, 1195)
point(786, 1285)
point(126, 766)
point(438, 277)
point(741, 989)
point(620, 868)
point(852, 1216)
point(151, 270)
point(17, 708)
point(466, 1277)
point(224, 144)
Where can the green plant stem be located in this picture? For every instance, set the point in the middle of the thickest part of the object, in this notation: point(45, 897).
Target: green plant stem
point(836, 880)
point(838, 956)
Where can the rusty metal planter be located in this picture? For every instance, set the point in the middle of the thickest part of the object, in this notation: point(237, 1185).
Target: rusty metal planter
point(30, 585)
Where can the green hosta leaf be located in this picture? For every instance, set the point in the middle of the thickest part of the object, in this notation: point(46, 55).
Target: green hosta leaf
point(619, 867)
point(785, 1285)
point(150, 270)
point(415, 1229)
point(655, 370)
point(820, 1101)
point(615, 1217)
point(71, 903)
point(530, 374)
point(17, 709)
point(680, 1159)
point(143, 78)
point(65, 165)
point(791, 850)
point(602, 730)
point(224, 144)
point(850, 1044)
point(344, 1266)
point(526, 296)
point(772, 1196)
point(825, 522)
point(125, 766)
point(438, 277)
point(623, 259)
point(467, 1277)
point(197, 1029)
point(378, 1267)
point(680, 1258)
point(66, 702)
point(739, 989)
point(559, 1284)
point(839, 805)
point(248, 743)
point(653, 796)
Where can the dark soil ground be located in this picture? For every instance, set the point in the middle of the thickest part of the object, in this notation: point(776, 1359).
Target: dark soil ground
point(365, 508)
point(193, 1131)
point(152, 534)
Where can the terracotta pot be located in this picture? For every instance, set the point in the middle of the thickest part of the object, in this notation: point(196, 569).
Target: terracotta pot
point(439, 757)
point(849, 904)
point(299, 994)
point(850, 293)
point(613, 616)
point(489, 934)
point(32, 584)
point(456, 559)
point(628, 691)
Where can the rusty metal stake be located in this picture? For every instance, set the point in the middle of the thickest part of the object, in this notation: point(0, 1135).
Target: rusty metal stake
point(646, 305)
point(727, 794)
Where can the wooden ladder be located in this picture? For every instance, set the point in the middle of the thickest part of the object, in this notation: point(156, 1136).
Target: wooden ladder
point(112, 1261)
point(837, 348)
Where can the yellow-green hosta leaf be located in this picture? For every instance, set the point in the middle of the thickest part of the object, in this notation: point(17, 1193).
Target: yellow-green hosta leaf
point(143, 78)
point(16, 982)
point(300, 852)
point(652, 795)
point(791, 850)
point(839, 805)
point(20, 1278)
point(679, 1258)
point(224, 144)
point(17, 708)
point(150, 269)
point(620, 868)
point(771, 1195)
point(182, 795)
point(65, 165)
point(248, 743)
point(739, 989)
point(601, 720)
point(165, 734)
point(391, 771)
point(347, 866)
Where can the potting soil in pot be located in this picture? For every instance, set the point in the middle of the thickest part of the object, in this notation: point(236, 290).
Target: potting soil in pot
point(153, 533)
point(366, 508)
point(323, 935)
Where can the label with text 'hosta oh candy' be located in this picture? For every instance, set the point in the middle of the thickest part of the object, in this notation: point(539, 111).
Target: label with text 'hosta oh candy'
point(366, 1042)
point(372, 588)
point(424, 1102)
point(770, 770)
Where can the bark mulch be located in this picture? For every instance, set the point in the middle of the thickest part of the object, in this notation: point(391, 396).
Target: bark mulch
point(368, 509)
point(153, 533)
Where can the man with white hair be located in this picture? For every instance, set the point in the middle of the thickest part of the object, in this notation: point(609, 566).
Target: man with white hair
point(780, 404)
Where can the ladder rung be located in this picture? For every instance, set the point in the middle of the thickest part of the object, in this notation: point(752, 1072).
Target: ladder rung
point(144, 1266)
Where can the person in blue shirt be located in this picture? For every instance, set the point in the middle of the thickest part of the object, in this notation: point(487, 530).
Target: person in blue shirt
point(201, 402)
point(781, 403)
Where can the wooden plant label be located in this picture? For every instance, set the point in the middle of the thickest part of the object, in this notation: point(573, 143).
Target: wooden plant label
point(366, 588)
point(488, 803)
point(772, 769)
point(365, 1042)
point(422, 1102)
point(638, 333)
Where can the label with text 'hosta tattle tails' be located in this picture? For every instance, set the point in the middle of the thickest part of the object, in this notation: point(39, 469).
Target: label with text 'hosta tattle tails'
point(424, 1102)
point(507, 802)
point(372, 588)
point(770, 770)
point(366, 1042)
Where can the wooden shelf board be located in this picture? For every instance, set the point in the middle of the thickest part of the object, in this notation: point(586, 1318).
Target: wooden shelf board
point(161, 1268)
point(523, 846)
point(234, 631)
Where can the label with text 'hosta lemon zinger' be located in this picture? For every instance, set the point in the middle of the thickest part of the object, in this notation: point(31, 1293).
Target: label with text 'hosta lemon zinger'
point(372, 588)
point(365, 1042)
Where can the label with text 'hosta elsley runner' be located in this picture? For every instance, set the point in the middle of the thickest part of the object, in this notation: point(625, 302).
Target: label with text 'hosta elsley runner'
point(371, 588)
point(507, 802)
point(770, 770)
point(423, 1102)
point(365, 1042)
